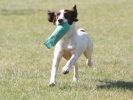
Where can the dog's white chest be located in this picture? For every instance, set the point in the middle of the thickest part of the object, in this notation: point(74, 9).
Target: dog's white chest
point(69, 45)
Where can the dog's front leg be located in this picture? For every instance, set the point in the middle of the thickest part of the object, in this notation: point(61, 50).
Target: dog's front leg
point(55, 64)
point(70, 62)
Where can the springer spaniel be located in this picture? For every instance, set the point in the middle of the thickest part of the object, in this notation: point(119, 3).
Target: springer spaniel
point(74, 43)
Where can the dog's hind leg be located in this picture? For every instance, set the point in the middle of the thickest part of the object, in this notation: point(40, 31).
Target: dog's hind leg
point(88, 55)
point(75, 75)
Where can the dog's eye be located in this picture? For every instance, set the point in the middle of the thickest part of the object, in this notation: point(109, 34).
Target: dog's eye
point(66, 15)
point(58, 13)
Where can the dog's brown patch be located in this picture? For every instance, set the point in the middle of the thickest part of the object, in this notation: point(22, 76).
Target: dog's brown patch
point(51, 16)
point(71, 15)
point(67, 55)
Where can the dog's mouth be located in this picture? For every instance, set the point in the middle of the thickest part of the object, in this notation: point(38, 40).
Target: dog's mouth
point(62, 23)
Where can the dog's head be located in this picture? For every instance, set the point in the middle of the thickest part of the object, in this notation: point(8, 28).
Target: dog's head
point(63, 16)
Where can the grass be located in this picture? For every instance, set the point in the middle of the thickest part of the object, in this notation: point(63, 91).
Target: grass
point(25, 63)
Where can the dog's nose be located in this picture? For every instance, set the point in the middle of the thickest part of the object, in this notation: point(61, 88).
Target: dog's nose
point(60, 21)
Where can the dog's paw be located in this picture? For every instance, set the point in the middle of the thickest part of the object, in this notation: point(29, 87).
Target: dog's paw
point(89, 63)
point(75, 80)
point(51, 84)
point(65, 72)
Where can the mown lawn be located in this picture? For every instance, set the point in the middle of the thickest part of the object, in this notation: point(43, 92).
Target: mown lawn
point(25, 63)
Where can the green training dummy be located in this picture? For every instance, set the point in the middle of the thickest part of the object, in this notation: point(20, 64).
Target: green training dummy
point(58, 33)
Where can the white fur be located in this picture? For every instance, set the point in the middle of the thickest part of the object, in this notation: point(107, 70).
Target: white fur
point(75, 42)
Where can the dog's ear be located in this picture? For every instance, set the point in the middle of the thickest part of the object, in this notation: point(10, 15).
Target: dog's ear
point(51, 16)
point(75, 13)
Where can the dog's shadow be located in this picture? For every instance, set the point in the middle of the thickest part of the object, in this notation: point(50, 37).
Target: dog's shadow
point(119, 84)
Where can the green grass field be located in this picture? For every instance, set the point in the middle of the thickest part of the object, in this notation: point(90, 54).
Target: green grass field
point(25, 63)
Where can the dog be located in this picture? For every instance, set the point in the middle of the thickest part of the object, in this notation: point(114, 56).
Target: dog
point(74, 43)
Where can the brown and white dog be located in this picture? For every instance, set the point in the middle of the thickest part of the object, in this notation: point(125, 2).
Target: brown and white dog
point(71, 46)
